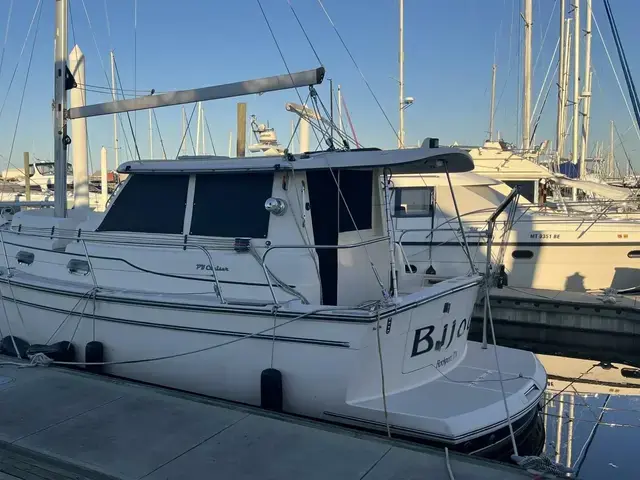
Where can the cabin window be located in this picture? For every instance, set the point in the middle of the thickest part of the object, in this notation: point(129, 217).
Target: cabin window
point(522, 254)
point(493, 196)
point(413, 202)
point(527, 188)
point(231, 205)
point(149, 204)
point(357, 190)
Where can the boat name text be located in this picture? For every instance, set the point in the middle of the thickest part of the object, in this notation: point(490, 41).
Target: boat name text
point(202, 266)
point(423, 341)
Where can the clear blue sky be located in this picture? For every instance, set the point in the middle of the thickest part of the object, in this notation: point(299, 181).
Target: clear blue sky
point(449, 48)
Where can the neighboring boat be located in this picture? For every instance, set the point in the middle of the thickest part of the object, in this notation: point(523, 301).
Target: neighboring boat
point(545, 249)
point(40, 175)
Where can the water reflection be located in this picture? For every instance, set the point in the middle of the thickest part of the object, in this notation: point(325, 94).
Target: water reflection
point(592, 418)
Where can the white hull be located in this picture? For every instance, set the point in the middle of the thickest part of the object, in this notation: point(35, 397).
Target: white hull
point(311, 354)
point(570, 265)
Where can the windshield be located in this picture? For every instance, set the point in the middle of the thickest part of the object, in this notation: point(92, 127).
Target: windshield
point(49, 169)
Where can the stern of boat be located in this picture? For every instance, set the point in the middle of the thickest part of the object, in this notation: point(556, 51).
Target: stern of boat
point(415, 341)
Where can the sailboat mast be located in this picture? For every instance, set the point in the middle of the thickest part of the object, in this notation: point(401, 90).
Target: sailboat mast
point(204, 144)
point(115, 115)
point(586, 94)
point(198, 128)
point(340, 125)
point(611, 155)
point(576, 81)
point(493, 101)
point(401, 79)
point(184, 131)
point(526, 97)
point(565, 84)
point(561, 61)
point(60, 137)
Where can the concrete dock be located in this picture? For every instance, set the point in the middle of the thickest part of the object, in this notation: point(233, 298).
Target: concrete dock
point(65, 424)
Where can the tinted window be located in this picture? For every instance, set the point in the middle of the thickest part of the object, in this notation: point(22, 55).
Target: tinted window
point(413, 202)
point(231, 205)
point(527, 188)
point(149, 203)
point(357, 190)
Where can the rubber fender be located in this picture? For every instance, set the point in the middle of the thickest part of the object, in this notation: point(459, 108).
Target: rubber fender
point(7, 347)
point(59, 352)
point(94, 353)
point(271, 390)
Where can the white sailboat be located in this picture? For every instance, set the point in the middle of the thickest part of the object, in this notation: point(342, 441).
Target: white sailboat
point(264, 280)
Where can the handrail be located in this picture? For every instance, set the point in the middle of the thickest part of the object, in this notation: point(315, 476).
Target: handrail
point(505, 203)
point(437, 230)
point(217, 288)
point(308, 247)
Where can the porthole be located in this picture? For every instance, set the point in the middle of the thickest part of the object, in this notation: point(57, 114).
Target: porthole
point(522, 254)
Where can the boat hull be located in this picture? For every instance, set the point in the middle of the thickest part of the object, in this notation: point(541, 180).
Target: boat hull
point(328, 360)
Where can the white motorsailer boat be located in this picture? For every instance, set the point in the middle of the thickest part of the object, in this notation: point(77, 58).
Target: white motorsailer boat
point(268, 281)
point(188, 258)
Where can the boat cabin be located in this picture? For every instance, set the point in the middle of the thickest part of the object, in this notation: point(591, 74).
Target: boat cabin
point(317, 220)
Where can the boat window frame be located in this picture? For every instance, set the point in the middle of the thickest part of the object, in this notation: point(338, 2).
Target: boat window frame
point(192, 205)
point(116, 199)
point(397, 202)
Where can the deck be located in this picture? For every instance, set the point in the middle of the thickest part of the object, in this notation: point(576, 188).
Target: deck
point(67, 424)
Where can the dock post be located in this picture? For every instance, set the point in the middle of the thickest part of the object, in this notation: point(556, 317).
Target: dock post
point(27, 178)
point(241, 139)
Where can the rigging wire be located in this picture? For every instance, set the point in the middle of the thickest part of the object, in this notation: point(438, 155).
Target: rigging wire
point(585, 447)
point(353, 60)
point(213, 145)
point(286, 65)
point(106, 76)
point(184, 135)
point(73, 33)
point(107, 89)
point(615, 74)
point(24, 89)
point(6, 36)
point(509, 62)
point(106, 14)
point(544, 103)
point(155, 117)
point(544, 82)
point(15, 70)
point(335, 179)
point(135, 141)
point(304, 31)
point(625, 151)
point(544, 37)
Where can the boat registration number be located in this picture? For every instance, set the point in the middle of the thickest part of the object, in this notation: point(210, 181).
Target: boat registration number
point(545, 236)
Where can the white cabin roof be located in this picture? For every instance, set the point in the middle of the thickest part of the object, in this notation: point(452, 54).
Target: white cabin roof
point(409, 160)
